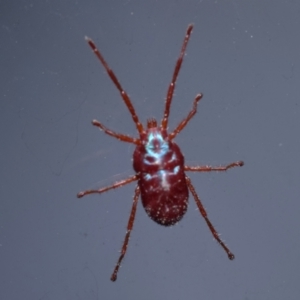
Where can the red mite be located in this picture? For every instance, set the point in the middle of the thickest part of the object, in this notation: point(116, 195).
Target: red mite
point(158, 163)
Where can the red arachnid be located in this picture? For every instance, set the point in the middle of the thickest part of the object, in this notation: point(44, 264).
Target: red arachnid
point(158, 163)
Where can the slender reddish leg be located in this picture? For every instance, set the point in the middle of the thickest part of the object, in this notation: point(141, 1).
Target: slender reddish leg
point(107, 188)
point(184, 122)
point(115, 80)
point(127, 236)
point(210, 168)
point(164, 123)
point(204, 215)
point(119, 136)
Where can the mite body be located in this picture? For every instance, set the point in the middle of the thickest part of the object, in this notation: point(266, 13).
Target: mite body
point(160, 165)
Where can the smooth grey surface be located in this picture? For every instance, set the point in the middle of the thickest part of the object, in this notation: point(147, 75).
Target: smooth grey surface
point(244, 57)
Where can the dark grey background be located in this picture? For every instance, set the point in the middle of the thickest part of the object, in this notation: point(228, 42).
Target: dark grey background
point(244, 57)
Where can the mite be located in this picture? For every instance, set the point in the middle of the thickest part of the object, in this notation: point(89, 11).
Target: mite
point(158, 163)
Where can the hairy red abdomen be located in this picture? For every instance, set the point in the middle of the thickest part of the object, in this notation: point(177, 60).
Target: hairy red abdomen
point(160, 168)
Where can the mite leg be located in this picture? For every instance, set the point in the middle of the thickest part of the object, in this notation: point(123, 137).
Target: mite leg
point(210, 168)
point(116, 82)
point(204, 215)
point(164, 123)
point(184, 122)
point(127, 236)
point(107, 188)
point(119, 136)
